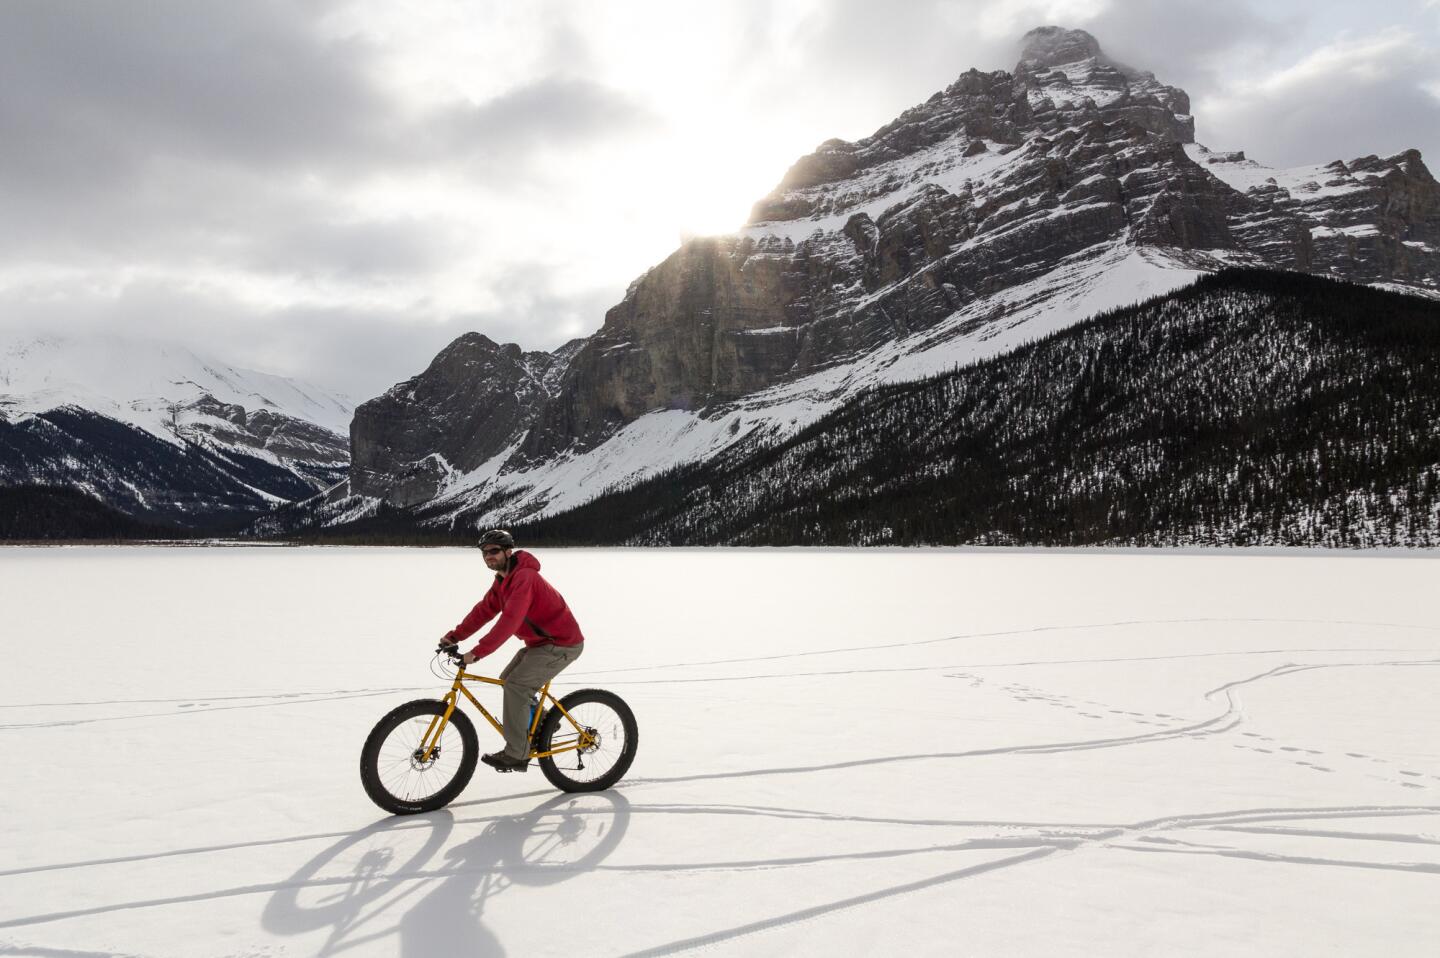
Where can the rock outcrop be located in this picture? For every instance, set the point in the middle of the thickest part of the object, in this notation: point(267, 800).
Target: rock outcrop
point(476, 398)
point(307, 449)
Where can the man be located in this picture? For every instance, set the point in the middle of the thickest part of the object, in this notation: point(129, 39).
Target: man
point(530, 607)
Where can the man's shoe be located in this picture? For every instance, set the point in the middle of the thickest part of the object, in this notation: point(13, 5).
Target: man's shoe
point(504, 763)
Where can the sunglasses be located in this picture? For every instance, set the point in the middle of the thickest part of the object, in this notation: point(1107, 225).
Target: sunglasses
point(492, 551)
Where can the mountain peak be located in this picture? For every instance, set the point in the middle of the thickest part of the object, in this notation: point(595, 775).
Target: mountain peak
point(1048, 47)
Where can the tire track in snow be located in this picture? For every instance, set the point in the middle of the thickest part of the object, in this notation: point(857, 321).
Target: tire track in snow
point(1114, 838)
point(288, 699)
point(1226, 720)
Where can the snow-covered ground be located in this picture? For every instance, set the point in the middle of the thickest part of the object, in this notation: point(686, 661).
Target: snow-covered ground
point(922, 752)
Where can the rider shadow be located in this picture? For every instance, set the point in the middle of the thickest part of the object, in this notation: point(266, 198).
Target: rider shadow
point(361, 884)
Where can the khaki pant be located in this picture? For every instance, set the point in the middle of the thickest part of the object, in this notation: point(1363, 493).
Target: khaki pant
point(531, 668)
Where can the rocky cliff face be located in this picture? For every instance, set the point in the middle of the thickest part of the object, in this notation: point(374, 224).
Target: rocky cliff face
point(997, 183)
point(475, 399)
point(1371, 220)
point(309, 450)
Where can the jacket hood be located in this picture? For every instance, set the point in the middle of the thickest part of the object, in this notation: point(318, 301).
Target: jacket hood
point(519, 559)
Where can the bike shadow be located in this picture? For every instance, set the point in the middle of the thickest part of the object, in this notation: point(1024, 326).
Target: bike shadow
point(424, 881)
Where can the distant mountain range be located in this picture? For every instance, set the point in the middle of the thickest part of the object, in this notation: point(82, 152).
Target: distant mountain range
point(160, 435)
point(1006, 208)
point(1251, 408)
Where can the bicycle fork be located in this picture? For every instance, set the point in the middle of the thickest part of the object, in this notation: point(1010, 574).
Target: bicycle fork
point(430, 741)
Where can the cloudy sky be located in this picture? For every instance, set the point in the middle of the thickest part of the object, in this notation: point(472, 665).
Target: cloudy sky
point(335, 189)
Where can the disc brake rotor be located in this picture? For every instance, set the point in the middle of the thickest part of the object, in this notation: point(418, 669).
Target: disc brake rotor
point(417, 758)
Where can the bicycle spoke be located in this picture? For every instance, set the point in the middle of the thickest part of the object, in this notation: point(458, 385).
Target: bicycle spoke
point(397, 761)
point(588, 765)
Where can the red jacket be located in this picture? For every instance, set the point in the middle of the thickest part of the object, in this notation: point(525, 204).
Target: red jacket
point(528, 606)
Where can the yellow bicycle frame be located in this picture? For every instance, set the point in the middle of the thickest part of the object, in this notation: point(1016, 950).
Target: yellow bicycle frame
point(582, 740)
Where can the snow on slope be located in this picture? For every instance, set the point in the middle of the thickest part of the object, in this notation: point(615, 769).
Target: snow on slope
point(1090, 282)
point(1028, 754)
point(1305, 183)
point(943, 164)
point(137, 382)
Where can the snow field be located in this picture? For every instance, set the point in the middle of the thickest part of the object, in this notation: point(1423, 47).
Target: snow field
point(987, 752)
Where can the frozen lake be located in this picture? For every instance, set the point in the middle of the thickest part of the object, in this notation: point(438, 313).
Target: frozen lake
point(840, 752)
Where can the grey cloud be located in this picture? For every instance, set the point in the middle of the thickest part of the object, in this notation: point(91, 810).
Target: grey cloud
point(555, 111)
point(229, 219)
point(196, 131)
point(179, 130)
point(910, 48)
point(357, 250)
point(365, 352)
point(541, 313)
point(92, 90)
point(356, 350)
point(1221, 51)
point(1336, 117)
point(1187, 43)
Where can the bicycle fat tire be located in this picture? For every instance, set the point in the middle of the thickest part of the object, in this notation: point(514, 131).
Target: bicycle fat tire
point(618, 719)
point(382, 787)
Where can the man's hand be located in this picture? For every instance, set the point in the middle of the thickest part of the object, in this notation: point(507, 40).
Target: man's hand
point(448, 639)
point(469, 657)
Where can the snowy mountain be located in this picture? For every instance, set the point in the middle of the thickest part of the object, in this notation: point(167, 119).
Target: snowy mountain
point(1252, 408)
point(161, 433)
point(1006, 207)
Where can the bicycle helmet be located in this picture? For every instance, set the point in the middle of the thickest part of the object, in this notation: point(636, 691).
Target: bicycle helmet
point(497, 537)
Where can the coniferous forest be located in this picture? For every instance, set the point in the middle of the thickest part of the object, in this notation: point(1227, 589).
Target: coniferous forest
point(52, 513)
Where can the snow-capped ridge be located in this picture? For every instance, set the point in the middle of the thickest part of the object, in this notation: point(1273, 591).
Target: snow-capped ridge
point(139, 380)
point(160, 432)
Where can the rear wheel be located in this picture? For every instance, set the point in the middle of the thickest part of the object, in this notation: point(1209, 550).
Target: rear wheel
point(396, 773)
point(604, 729)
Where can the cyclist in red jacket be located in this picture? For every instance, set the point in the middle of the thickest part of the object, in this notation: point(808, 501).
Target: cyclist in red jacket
point(529, 607)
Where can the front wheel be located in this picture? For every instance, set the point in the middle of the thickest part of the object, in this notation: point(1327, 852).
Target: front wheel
point(600, 734)
point(398, 775)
